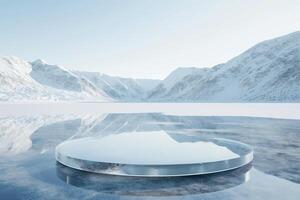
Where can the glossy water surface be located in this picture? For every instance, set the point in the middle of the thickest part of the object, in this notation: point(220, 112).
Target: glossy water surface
point(28, 169)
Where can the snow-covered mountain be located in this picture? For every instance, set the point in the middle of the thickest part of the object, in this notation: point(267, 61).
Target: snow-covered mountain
point(29, 81)
point(267, 72)
point(167, 86)
point(122, 89)
point(24, 81)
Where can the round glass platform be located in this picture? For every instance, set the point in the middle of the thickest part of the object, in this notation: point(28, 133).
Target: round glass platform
point(153, 154)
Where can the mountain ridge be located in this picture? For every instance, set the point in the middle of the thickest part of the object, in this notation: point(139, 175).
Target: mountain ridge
point(267, 72)
point(248, 77)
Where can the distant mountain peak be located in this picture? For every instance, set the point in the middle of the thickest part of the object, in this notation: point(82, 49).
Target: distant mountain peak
point(39, 62)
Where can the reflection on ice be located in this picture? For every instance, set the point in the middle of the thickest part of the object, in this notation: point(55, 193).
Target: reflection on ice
point(145, 148)
point(16, 133)
point(153, 154)
point(171, 186)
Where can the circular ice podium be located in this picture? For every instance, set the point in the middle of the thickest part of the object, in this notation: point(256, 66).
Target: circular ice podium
point(153, 154)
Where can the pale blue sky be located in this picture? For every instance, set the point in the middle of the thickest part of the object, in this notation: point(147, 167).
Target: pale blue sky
point(140, 38)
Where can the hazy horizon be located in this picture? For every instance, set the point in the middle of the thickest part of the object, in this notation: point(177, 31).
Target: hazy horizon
point(140, 39)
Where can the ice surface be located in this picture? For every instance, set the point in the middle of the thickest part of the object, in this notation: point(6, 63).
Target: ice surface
point(33, 174)
point(276, 110)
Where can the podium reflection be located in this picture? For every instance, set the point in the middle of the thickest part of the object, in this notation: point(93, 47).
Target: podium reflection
point(167, 186)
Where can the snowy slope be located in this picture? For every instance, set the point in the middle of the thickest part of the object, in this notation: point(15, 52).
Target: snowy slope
point(57, 77)
point(167, 86)
point(122, 89)
point(24, 81)
point(267, 72)
point(29, 81)
point(16, 83)
point(179, 74)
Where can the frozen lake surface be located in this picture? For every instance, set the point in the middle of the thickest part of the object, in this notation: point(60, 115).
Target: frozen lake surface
point(29, 134)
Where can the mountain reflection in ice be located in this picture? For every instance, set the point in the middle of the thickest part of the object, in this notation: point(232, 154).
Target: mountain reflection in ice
point(146, 148)
point(28, 169)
